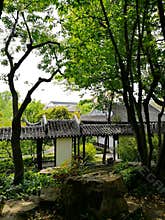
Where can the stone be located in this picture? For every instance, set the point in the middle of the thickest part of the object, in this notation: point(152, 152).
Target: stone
point(50, 194)
point(17, 210)
point(98, 194)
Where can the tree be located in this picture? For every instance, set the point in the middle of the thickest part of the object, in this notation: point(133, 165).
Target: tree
point(85, 106)
point(29, 26)
point(58, 112)
point(33, 111)
point(117, 45)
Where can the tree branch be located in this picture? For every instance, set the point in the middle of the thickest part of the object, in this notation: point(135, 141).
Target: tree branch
point(29, 49)
point(27, 27)
point(45, 43)
point(157, 101)
point(138, 55)
point(111, 35)
point(27, 99)
point(10, 58)
point(161, 16)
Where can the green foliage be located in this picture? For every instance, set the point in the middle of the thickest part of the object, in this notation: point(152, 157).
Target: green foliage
point(58, 112)
point(6, 166)
point(64, 171)
point(90, 152)
point(130, 174)
point(28, 147)
point(5, 109)
point(135, 182)
point(85, 106)
point(33, 111)
point(155, 150)
point(32, 185)
point(127, 149)
point(113, 47)
point(5, 150)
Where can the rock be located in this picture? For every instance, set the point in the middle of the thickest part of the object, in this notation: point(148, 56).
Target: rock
point(17, 210)
point(50, 194)
point(2, 203)
point(99, 194)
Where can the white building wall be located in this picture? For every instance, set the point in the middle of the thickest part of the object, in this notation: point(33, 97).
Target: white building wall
point(63, 151)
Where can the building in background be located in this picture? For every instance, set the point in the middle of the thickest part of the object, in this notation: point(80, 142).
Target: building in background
point(71, 106)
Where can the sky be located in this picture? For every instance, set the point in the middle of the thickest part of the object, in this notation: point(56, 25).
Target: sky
point(46, 92)
point(28, 72)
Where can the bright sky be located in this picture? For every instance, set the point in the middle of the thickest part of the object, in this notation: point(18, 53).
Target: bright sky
point(28, 72)
point(46, 92)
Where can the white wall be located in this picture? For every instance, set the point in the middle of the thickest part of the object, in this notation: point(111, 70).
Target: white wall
point(63, 151)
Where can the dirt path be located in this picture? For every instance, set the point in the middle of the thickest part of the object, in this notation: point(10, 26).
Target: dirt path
point(153, 208)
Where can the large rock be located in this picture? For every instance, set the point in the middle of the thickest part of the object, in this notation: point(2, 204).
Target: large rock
point(100, 195)
point(18, 210)
point(50, 194)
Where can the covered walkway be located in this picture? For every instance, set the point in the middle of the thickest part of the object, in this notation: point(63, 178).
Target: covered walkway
point(70, 130)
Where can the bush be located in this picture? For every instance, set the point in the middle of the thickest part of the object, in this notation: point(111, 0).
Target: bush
point(134, 181)
point(127, 149)
point(33, 182)
point(90, 152)
point(6, 166)
point(5, 150)
point(155, 150)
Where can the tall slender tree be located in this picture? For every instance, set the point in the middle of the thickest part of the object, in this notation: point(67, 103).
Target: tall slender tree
point(116, 45)
point(27, 30)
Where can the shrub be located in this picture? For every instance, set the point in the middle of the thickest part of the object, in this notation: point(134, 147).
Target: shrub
point(33, 182)
point(127, 149)
point(90, 152)
point(6, 166)
point(155, 150)
point(134, 181)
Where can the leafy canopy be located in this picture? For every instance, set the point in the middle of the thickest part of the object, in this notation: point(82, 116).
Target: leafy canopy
point(97, 47)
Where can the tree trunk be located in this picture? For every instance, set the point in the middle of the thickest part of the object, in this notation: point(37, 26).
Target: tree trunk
point(161, 161)
point(161, 16)
point(107, 137)
point(16, 149)
point(105, 149)
point(138, 127)
point(142, 146)
point(149, 134)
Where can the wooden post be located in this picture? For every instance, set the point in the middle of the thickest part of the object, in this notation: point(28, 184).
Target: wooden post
point(115, 138)
point(118, 156)
point(78, 146)
point(39, 153)
point(74, 143)
point(114, 148)
point(55, 144)
point(83, 140)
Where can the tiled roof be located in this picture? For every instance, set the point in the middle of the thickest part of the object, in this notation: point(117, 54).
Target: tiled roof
point(104, 129)
point(54, 128)
point(70, 128)
point(62, 128)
